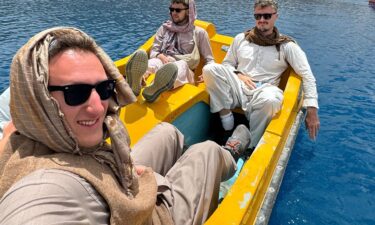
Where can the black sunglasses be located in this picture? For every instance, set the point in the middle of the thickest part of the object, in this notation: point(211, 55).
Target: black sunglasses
point(77, 94)
point(171, 10)
point(266, 16)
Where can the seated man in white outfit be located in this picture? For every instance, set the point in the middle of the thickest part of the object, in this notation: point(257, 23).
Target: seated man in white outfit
point(250, 73)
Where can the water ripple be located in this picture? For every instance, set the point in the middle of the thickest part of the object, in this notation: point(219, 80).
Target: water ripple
point(330, 181)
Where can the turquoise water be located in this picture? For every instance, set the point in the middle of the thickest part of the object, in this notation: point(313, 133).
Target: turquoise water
point(330, 181)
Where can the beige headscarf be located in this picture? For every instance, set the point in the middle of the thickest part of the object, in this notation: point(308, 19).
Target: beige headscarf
point(37, 116)
point(45, 141)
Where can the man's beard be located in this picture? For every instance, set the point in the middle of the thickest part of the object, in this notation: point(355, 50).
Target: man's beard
point(263, 30)
point(182, 22)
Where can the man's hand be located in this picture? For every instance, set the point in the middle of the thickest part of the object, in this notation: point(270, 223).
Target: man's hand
point(199, 79)
point(247, 80)
point(7, 131)
point(312, 122)
point(163, 58)
point(140, 169)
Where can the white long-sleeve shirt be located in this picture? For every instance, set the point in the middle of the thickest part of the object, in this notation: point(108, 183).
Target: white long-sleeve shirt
point(266, 64)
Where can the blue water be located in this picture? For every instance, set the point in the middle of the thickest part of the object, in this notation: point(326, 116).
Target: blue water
point(330, 181)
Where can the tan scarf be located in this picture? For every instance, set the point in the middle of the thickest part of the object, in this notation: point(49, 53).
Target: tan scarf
point(44, 139)
point(256, 37)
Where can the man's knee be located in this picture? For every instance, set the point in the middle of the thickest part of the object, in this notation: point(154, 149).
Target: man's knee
point(271, 105)
point(273, 102)
point(209, 71)
point(167, 129)
point(271, 98)
point(205, 150)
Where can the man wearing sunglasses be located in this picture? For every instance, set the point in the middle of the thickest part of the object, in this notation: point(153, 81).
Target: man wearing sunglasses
point(177, 41)
point(65, 97)
point(250, 74)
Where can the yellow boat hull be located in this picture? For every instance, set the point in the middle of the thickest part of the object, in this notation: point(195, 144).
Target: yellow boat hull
point(187, 108)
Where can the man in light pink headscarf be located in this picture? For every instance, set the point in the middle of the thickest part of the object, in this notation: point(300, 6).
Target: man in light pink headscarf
point(174, 40)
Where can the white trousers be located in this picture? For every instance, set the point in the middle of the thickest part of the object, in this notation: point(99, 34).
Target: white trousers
point(184, 74)
point(227, 91)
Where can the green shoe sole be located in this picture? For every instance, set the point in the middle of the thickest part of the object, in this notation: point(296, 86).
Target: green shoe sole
point(164, 80)
point(134, 70)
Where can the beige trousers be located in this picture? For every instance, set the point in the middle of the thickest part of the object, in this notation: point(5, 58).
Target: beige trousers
point(189, 183)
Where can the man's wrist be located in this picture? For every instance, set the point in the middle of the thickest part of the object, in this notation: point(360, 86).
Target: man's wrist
point(312, 108)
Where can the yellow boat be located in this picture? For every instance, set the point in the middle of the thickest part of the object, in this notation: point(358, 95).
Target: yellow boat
point(250, 199)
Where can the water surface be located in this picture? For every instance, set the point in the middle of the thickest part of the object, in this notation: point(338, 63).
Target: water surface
point(330, 181)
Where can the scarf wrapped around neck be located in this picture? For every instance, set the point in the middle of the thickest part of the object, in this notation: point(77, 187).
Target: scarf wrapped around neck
point(170, 45)
point(38, 118)
point(255, 36)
